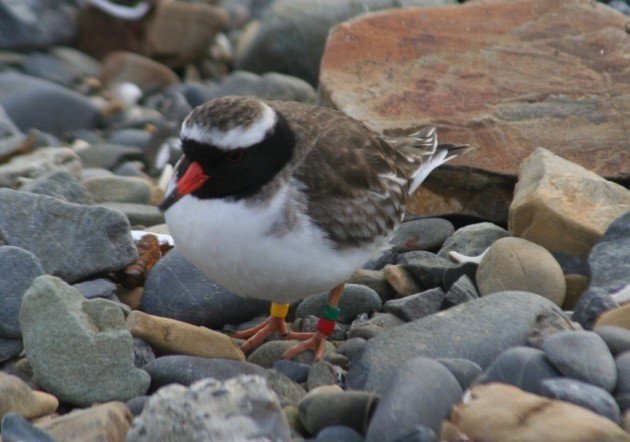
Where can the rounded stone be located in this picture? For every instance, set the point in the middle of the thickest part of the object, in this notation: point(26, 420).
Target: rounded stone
point(421, 234)
point(352, 409)
point(518, 264)
point(356, 299)
point(616, 338)
point(14, 428)
point(473, 240)
point(338, 433)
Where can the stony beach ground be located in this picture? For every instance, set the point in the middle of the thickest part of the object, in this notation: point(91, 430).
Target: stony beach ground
point(499, 312)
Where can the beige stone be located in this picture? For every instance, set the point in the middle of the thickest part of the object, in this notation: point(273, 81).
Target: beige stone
point(400, 279)
point(17, 397)
point(576, 286)
point(179, 337)
point(131, 297)
point(518, 264)
point(562, 206)
point(504, 77)
point(147, 74)
point(107, 422)
point(618, 317)
point(499, 412)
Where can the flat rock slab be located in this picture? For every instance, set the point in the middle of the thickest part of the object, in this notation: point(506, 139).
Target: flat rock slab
point(503, 77)
point(478, 330)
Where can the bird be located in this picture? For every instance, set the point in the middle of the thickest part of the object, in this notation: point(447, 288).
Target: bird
point(280, 200)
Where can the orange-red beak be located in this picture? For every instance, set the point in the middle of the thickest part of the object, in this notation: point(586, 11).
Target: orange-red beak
point(192, 180)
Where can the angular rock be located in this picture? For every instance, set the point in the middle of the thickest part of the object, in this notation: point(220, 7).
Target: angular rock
point(523, 367)
point(60, 184)
point(591, 305)
point(33, 103)
point(472, 240)
point(374, 279)
point(17, 397)
point(426, 268)
point(406, 58)
point(270, 86)
point(421, 234)
point(622, 392)
point(421, 392)
point(352, 409)
point(321, 373)
point(293, 370)
point(39, 163)
point(517, 264)
point(18, 268)
point(497, 412)
point(562, 206)
point(401, 280)
point(109, 421)
point(127, 67)
point(355, 299)
point(171, 336)
point(585, 395)
point(14, 428)
point(369, 328)
point(80, 241)
point(142, 353)
point(478, 330)
point(416, 306)
point(243, 408)
point(584, 356)
point(609, 260)
point(177, 290)
point(187, 370)
point(463, 290)
point(350, 348)
point(288, 391)
point(119, 189)
point(87, 353)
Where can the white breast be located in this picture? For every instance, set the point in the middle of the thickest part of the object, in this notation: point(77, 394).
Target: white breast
point(234, 244)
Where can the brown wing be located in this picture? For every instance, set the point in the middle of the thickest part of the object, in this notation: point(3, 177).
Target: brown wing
point(357, 187)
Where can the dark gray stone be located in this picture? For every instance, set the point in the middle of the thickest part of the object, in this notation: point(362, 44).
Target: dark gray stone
point(585, 395)
point(36, 23)
point(609, 259)
point(356, 299)
point(288, 391)
point(96, 288)
point(71, 241)
point(416, 306)
point(60, 184)
point(463, 290)
point(9, 348)
point(378, 262)
point(185, 370)
point(351, 348)
point(119, 189)
point(464, 370)
point(367, 329)
point(616, 338)
point(268, 353)
point(270, 86)
point(351, 408)
point(478, 330)
point(523, 367)
point(108, 156)
point(35, 103)
point(142, 353)
point(421, 234)
point(130, 137)
point(309, 324)
point(419, 433)
point(572, 265)
point(196, 93)
point(176, 289)
point(138, 214)
point(453, 274)
point(339, 433)
point(14, 428)
point(473, 240)
point(80, 349)
point(48, 67)
point(427, 268)
point(582, 355)
point(136, 404)
point(620, 5)
point(591, 305)
point(322, 373)
point(422, 391)
point(622, 392)
point(293, 370)
point(18, 268)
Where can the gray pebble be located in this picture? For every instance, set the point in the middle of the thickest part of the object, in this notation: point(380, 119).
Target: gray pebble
point(416, 306)
point(356, 299)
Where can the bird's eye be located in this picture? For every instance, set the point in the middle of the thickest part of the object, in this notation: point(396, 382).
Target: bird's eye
point(235, 156)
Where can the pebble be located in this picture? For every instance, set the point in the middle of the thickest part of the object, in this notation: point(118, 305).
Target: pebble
point(400, 279)
point(14, 428)
point(426, 399)
point(352, 409)
point(288, 391)
point(10, 348)
point(119, 189)
point(517, 264)
point(270, 86)
point(269, 352)
point(243, 408)
point(478, 330)
point(96, 288)
point(321, 373)
point(126, 67)
point(416, 306)
point(421, 234)
point(426, 268)
point(609, 259)
point(367, 329)
point(523, 367)
point(142, 353)
point(77, 248)
point(452, 274)
point(591, 305)
point(39, 163)
point(582, 355)
point(338, 433)
point(583, 394)
point(293, 370)
point(137, 214)
point(60, 184)
point(499, 412)
point(17, 397)
point(198, 300)
point(419, 433)
point(136, 404)
point(19, 269)
point(387, 256)
point(355, 299)
point(616, 338)
point(622, 392)
point(472, 240)
point(87, 353)
point(462, 290)
point(107, 156)
point(549, 324)
point(48, 67)
point(350, 348)
point(464, 370)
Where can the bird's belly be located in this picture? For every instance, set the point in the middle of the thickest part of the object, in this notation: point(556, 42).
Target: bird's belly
point(231, 243)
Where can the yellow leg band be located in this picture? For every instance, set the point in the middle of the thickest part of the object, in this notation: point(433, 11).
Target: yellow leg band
point(279, 310)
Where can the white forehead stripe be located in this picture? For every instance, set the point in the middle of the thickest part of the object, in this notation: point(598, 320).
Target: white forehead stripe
point(235, 138)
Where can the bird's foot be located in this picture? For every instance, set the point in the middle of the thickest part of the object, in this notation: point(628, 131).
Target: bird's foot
point(316, 343)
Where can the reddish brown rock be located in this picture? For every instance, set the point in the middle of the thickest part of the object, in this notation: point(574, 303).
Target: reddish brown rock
point(503, 77)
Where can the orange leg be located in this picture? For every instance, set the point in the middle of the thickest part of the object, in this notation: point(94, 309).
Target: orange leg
point(316, 343)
